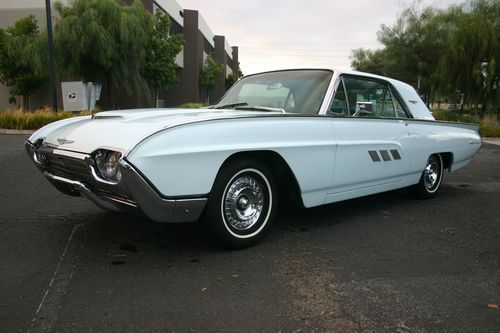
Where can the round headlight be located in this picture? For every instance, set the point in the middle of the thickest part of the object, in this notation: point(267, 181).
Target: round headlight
point(107, 164)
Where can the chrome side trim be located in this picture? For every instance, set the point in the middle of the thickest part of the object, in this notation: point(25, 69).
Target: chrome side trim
point(123, 202)
point(329, 94)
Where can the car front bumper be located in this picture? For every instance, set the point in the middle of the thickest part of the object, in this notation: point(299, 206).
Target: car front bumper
point(71, 173)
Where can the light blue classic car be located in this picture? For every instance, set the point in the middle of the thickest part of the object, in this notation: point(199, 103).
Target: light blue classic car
point(307, 136)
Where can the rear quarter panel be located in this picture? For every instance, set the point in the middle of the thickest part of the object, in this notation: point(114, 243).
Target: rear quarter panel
point(430, 137)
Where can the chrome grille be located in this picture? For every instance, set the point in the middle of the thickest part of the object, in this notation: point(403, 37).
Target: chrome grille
point(66, 167)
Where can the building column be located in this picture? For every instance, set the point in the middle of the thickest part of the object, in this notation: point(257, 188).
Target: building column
point(221, 57)
point(236, 62)
point(193, 57)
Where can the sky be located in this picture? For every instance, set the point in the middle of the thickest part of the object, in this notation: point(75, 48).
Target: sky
point(279, 34)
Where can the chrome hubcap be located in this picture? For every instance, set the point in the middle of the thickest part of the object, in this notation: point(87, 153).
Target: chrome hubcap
point(431, 174)
point(243, 203)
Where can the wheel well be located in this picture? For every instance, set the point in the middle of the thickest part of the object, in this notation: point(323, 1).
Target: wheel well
point(288, 187)
point(447, 160)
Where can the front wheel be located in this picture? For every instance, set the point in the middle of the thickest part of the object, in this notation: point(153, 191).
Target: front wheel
point(242, 204)
point(431, 178)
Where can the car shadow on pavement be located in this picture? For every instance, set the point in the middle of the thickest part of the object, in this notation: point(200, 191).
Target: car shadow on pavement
point(299, 219)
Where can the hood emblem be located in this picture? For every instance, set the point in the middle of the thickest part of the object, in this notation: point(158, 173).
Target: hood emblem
point(64, 141)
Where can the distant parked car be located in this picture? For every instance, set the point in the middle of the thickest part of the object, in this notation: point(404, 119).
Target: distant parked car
point(309, 136)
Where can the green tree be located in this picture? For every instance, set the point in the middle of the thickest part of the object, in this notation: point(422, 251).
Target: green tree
point(160, 66)
point(18, 61)
point(368, 61)
point(104, 41)
point(413, 46)
point(210, 75)
point(470, 66)
point(232, 78)
point(452, 52)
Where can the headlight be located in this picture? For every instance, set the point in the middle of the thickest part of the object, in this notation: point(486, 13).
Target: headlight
point(107, 164)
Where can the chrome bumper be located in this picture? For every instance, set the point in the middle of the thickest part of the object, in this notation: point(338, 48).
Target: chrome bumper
point(154, 206)
point(105, 202)
point(140, 194)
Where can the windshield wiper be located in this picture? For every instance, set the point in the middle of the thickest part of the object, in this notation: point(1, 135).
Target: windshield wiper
point(245, 106)
point(259, 108)
point(229, 105)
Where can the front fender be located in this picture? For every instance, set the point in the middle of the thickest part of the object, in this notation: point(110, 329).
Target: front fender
point(184, 160)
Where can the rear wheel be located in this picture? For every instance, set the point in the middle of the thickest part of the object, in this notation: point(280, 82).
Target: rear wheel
point(431, 178)
point(242, 204)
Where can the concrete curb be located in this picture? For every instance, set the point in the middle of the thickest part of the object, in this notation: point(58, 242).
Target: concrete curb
point(491, 141)
point(13, 131)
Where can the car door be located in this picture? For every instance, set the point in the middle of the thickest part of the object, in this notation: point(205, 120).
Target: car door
point(373, 139)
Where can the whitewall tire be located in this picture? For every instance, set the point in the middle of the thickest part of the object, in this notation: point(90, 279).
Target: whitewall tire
point(241, 205)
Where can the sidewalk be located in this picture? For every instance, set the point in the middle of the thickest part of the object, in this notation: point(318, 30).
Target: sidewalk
point(12, 131)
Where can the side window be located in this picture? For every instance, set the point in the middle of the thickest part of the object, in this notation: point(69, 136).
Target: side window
point(400, 111)
point(369, 98)
point(338, 106)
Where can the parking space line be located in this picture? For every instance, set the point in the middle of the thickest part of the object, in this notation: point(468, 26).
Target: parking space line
point(47, 311)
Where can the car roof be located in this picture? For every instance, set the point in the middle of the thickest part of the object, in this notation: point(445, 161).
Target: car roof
point(410, 96)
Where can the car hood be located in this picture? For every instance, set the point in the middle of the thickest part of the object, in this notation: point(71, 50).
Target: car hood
point(122, 130)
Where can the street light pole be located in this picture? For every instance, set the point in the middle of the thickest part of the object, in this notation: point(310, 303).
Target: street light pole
point(52, 66)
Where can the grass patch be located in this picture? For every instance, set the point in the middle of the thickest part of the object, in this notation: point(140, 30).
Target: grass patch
point(487, 128)
point(447, 115)
point(191, 105)
point(32, 120)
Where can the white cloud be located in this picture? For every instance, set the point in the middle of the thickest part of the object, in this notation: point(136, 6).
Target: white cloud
point(276, 34)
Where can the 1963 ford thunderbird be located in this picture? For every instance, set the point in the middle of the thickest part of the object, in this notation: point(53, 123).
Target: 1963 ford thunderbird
point(308, 136)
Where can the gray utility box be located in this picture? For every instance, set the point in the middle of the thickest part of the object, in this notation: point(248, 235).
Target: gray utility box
point(79, 95)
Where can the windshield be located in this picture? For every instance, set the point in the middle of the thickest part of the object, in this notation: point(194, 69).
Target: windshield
point(299, 91)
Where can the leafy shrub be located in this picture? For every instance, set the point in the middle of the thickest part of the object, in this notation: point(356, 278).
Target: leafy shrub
point(447, 115)
point(489, 129)
point(191, 105)
point(30, 120)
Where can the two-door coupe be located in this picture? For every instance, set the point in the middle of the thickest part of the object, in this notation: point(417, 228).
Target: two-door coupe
point(307, 136)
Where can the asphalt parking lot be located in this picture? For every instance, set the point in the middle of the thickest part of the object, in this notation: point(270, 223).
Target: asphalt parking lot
point(384, 263)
